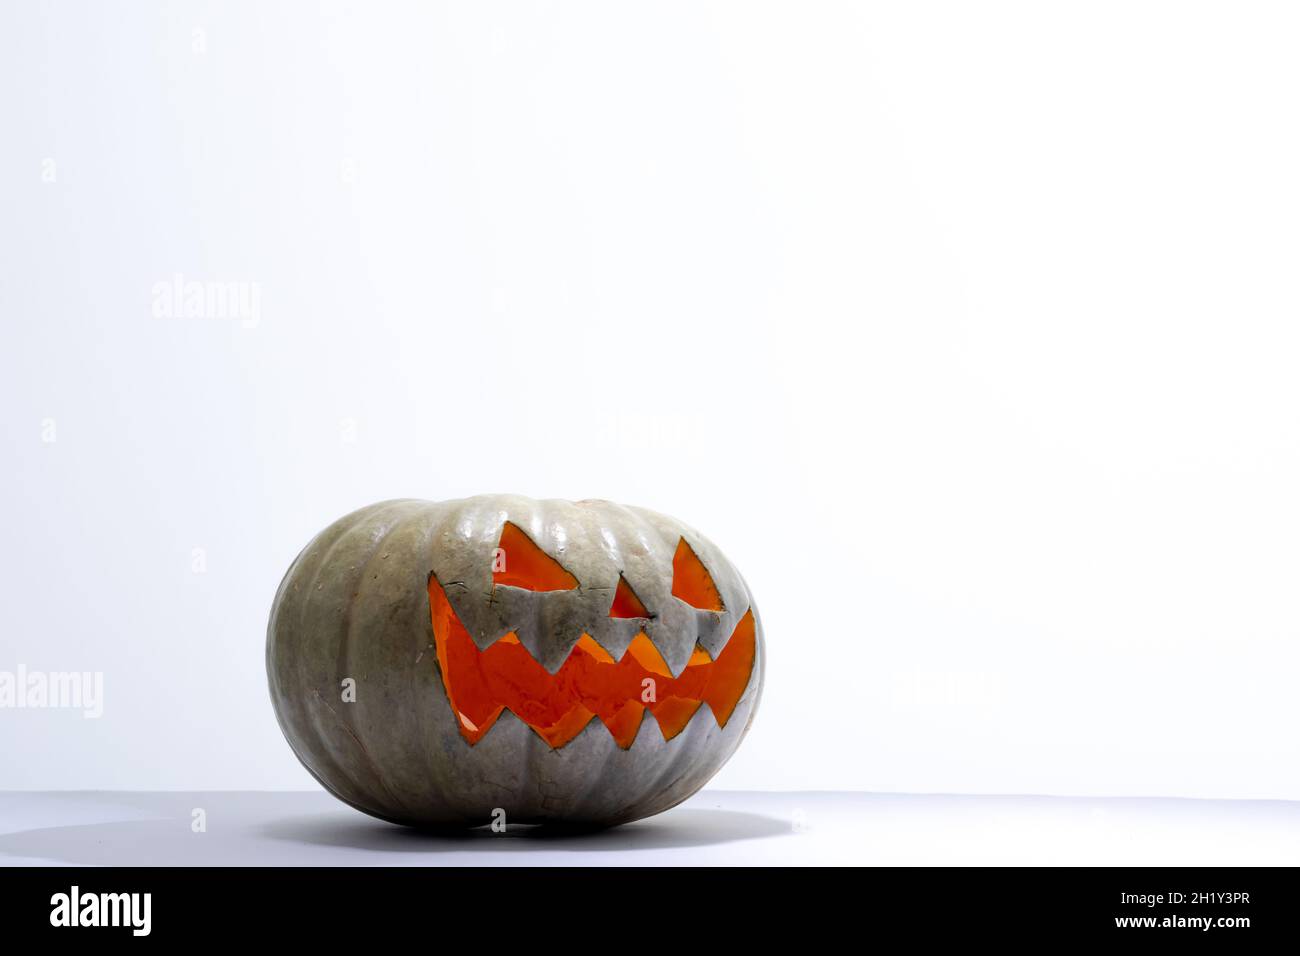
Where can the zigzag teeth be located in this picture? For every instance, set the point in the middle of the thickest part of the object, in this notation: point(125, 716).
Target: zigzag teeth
point(480, 684)
point(622, 726)
point(642, 648)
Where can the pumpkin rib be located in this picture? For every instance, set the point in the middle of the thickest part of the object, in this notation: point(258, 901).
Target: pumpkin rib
point(323, 749)
point(345, 664)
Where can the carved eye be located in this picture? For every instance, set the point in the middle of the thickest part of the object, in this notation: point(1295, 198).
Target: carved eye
point(626, 603)
point(692, 582)
point(520, 563)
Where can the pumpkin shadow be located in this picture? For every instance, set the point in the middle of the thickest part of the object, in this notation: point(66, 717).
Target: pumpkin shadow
point(259, 829)
point(677, 829)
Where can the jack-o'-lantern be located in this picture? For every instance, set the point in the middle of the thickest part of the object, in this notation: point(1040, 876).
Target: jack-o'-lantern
point(458, 663)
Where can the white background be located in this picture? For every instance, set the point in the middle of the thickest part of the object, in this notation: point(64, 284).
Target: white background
point(969, 331)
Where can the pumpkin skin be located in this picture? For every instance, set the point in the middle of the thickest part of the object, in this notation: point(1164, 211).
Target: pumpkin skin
point(360, 603)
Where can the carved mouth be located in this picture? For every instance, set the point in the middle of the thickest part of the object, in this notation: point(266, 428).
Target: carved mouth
point(590, 684)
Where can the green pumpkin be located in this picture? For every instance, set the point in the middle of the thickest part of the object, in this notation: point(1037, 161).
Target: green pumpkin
point(459, 663)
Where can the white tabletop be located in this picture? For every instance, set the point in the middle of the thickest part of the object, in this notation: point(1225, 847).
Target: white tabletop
point(715, 827)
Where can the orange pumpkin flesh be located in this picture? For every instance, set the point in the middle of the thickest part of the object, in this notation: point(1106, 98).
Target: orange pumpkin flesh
point(626, 603)
point(590, 683)
point(521, 563)
point(692, 582)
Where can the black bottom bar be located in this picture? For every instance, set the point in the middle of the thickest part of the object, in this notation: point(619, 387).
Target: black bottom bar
point(546, 907)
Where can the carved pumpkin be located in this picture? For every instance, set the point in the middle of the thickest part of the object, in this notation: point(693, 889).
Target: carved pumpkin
point(457, 663)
